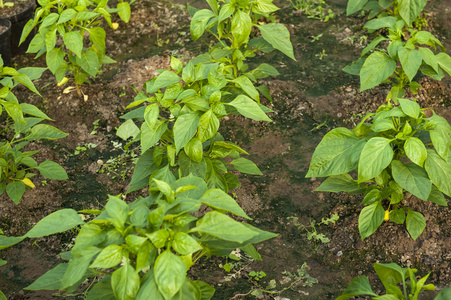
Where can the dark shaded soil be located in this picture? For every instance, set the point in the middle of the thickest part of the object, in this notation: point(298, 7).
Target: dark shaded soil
point(309, 92)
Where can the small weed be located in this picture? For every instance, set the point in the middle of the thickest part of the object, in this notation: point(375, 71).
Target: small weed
point(321, 55)
point(314, 9)
point(96, 126)
point(316, 38)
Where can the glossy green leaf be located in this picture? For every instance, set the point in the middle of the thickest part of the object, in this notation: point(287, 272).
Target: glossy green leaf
point(359, 286)
point(412, 178)
point(170, 273)
point(58, 221)
point(223, 227)
point(376, 155)
point(398, 216)
point(208, 126)
point(241, 27)
point(248, 108)
point(109, 257)
point(415, 150)
point(151, 136)
point(51, 280)
point(340, 183)
point(102, 290)
point(127, 129)
point(89, 62)
point(437, 197)
point(247, 86)
point(415, 224)
point(43, 131)
point(117, 209)
point(342, 159)
point(376, 68)
point(163, 80)
point(439, 171)
point(184, 244)
point(410, 9)
point(194, 149)
point(149, 288)
point(370, 218)
point(52, 170)
point(246, 166)
point(379, 23)
point(124, 11)
point(278, 36)
point(199, 22)
point(66, 15)
point(354, 6)
point(15, 190)
point(410, 61)
point(219, 200)
point(125, 282)
point(444, 61)
point(226, 11)
point(74, 42)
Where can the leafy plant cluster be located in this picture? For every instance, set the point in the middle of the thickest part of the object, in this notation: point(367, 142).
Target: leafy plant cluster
point(22, 126)
point(398, 149)
point(391, 275)
point(62, 26)
point(408, 51)
point(144, 249)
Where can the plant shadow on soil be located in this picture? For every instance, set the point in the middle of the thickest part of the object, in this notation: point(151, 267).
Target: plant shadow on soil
point(311, 96)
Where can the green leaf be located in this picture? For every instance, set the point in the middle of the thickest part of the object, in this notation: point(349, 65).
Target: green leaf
point(58, 221)
point(410, 61)
point(150, 136)
point(342, 159)
point(127, 129)
point(74, 42)
point(125, 282)
point(43, 131)
point(144, 167)
point(428, 57)
point(376, 68)
point(226, 11)
point(265, 6)
point(437, 197)
point(248, 108)
point(124, 11)
point(372, 45)
point(52, 170)
point(51, 280)
point(170, 273)
point(208, 126)
point(415, 224)
point(117, 209)
point(415, 150)
point(184, 244)
point(14, 111)
point(185, 128)
point(163, 80)
point(223, 227)
point(340, 183)
point(380, 23)
point(359, 286)
point(390, 273)
point(398, 216)
point(409, 10)
point(410, 108)
point(219, 200)
point(109, 257)
point(439, 171)
point(89, 62)
point(246, 166)
point(354, 6)
point(241, 27)
point(33, 111)
point(66, 15)
point(247, 86)
point(199, 22)
point(15, 190)
point(412, 178)
point(278, 36)
point(444, 61)
point(376, 155)
point(54, 59)
point(97, 36)
point(444, 294)
point(194, 149)
point(370, 218)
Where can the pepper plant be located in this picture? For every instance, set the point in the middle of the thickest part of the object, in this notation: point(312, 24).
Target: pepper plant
point(408, 52)
point(406, 10)
point(179, 125)
point(391, 275)
point(15, 163)
point(142, 250)
point(62, 26)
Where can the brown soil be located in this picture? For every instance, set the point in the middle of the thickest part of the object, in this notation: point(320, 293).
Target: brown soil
point(308, 93)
